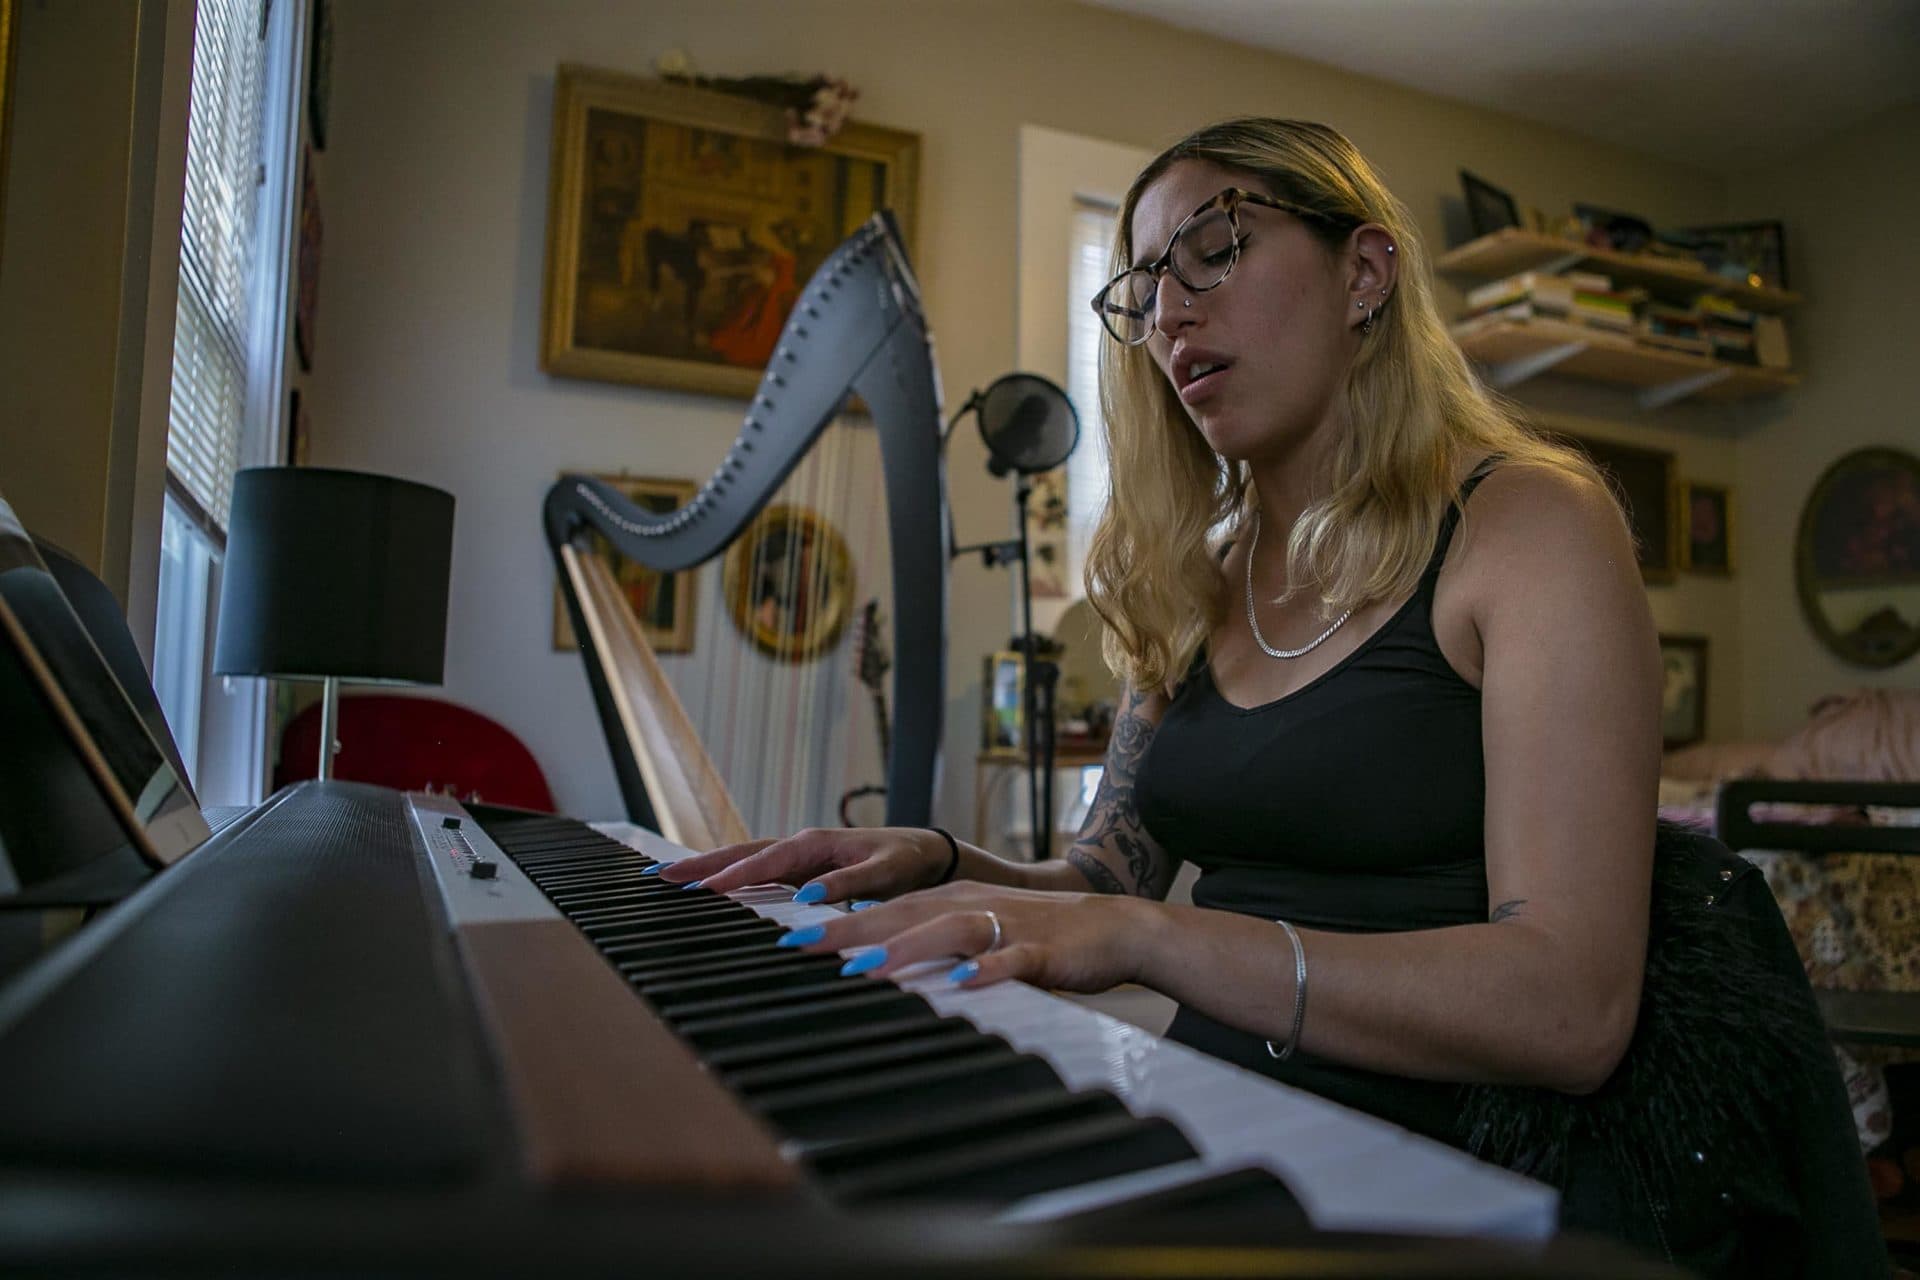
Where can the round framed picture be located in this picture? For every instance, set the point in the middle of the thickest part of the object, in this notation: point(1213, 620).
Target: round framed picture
point(789, 583)
point(1857, 557)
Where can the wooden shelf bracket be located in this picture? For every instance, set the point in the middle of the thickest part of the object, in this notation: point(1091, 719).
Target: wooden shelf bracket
point(1510, 373)
point(1665, 394)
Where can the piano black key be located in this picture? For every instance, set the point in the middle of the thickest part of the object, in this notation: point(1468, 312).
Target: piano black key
point(621, 926)
point(797, 970)
point(737, 995)
point(584, 916)
point(761, 957)
point(529, 845)
point(818, 1068)
point(657, 909)
point(909, 1022)
point(993, 1118)
point(877, 1005)
point(686, 942)
point(762, 949)
point(999, 1151)
point(1012, 1166)
point(581, 853)
point(582, 864)
point(829, 990)
point(876, 1101)
point(603, 899)
point(601, 880)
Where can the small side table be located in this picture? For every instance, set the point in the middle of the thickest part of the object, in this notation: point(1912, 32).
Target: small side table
point(990, 769)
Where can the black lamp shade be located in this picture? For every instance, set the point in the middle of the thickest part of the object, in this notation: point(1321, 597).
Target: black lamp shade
point(335, 574)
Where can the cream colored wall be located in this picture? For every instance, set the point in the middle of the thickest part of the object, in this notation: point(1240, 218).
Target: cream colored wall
point(434, 188)
point(95, 166)
point(1851, 247)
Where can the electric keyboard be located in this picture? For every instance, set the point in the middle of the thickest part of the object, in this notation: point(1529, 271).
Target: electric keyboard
point(1002, 1096)
point(354, 1023)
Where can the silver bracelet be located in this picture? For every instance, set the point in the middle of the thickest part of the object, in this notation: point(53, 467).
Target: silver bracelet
point(1299, 994)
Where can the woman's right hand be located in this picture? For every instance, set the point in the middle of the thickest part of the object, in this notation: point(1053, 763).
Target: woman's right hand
point(847, 863)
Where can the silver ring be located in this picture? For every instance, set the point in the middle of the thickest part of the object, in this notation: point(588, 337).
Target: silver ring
point(994, 920)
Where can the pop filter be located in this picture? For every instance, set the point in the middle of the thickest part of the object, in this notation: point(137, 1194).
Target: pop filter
point(1027, 424)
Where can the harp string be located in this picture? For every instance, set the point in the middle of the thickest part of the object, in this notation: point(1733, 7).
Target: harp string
point(786, 732)
point(854, 770)
point(829, 674)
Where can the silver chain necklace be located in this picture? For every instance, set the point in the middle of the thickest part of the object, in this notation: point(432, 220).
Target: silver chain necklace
point(1254, 622)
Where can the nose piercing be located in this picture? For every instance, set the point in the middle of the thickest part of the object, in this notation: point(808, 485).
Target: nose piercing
point(1186, 302)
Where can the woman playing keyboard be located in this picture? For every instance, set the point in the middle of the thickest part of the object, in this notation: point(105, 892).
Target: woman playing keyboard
point(1395, 691)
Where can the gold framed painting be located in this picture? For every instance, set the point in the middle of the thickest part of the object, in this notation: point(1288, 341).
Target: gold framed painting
point(662, 602)
point(8, 17)
point(788, 582)
point(681, 227)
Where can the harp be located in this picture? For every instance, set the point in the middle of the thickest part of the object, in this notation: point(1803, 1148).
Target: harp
point(856, 329)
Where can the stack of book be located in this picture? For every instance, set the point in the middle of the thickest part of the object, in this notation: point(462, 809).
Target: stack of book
point(1577, 297)
point(1675, 329)
point(1728, 328)
point(1615, 309)
point(1713, 326)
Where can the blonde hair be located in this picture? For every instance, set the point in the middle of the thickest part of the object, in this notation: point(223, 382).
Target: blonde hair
point(1419, 414)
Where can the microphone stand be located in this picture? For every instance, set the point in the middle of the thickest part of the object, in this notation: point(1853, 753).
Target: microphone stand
point(1039, 675)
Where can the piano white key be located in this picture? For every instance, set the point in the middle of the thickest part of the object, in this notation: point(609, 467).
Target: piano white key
point(1350, 1171)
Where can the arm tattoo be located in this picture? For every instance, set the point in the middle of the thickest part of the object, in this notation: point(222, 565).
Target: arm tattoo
point(1507, 910)
point(1102, 880)
point(1113, 823)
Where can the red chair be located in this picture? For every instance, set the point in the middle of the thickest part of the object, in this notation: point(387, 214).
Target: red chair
point(418, 744)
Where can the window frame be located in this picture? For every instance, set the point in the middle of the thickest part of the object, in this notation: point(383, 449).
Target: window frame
point(226, 719)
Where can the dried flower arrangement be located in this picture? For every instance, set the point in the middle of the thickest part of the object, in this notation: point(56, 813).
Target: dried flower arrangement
point(816, 106)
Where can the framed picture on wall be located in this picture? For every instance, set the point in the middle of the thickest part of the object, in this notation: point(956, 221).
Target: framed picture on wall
point(681, 226)
point(1753, 253)
point(788, 583)
point(1683, 690)
point(1489, 209)
point(662, 602)
point(1706, 522)
point(1645, 482)
point(1003, 705)
point(1857, 557)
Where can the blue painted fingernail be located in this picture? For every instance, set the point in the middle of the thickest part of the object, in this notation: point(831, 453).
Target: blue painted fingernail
point(862, 904)
point(871, 958)
point(693, 884)
point(653, 870)
point(961, 972)
point(802, 937)
point(815, 892)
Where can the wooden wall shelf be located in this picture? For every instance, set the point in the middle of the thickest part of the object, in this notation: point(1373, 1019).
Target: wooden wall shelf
point(1504, 253)
point(1512, 351)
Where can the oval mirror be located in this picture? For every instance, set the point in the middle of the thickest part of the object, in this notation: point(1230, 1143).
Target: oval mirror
point(1857, 557)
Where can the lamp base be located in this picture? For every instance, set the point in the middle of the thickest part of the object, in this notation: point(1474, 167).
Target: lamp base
point(329, 726)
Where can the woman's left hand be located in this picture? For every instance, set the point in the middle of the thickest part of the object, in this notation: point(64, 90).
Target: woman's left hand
point(1060, 941)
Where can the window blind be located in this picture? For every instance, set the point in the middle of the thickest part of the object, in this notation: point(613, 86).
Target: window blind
point(1093, 228)
point(218, 253)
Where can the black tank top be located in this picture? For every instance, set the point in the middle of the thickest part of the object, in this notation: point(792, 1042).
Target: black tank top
point(1355, 804)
